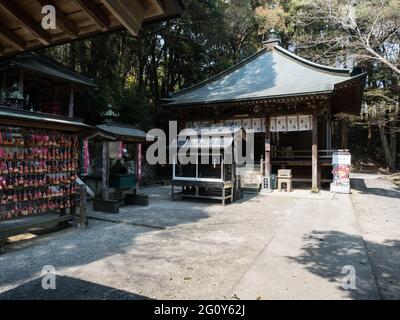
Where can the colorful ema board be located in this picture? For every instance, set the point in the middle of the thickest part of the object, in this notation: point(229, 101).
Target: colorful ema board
point(38, 171)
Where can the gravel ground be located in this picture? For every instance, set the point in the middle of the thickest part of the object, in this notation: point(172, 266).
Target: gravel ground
point(377, 204)
point(192, 251)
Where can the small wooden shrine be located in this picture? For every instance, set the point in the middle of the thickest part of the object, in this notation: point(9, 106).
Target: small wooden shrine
point(119, 184)
point(287, 102)
point(212, 173)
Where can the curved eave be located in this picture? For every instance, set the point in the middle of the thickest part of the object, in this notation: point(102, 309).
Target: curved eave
point(313, 65)
point(277, 98)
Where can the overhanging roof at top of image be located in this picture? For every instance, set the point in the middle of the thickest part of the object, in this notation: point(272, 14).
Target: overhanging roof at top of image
point(21, 29)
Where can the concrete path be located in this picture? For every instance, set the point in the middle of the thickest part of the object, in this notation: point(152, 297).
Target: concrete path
point(274, 246)
point(377, 204)
point(305, 258)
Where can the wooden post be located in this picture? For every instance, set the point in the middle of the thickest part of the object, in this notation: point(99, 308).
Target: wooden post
point(82, 208)
point(172, 190)
point(71, 103)
point(106, 169)
point(21, 82)
point(267, 146)
point(315, 187)
point(345, 130)
point(3, 89)
point(138, 161)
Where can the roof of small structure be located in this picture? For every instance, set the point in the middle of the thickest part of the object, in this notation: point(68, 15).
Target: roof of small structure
point(212, 131)
point(271, 72)
point(61, 122)
point(46, 67)
point(214, 137)
point(122, 130)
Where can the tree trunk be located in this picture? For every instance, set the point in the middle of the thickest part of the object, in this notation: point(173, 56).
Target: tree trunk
point(387, 150)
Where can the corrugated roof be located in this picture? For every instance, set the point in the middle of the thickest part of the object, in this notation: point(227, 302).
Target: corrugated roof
point(123, 130)
point(212, 131)
point(214, 137)
point(266, 74)
point(47, 67)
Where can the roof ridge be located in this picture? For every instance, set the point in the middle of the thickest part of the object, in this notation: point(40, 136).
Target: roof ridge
point(311, 64)
point(120, 124)
point(219, 75)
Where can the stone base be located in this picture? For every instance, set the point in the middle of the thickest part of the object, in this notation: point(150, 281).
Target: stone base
point(109, 206)
point(137, 200)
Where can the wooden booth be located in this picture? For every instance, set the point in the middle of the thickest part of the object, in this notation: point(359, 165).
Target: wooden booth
point(205, 163)
point(40, 148)
point(116, 183)
point(287, 102)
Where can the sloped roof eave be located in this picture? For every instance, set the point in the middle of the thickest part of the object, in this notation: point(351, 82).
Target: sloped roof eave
point(253, 99)
point(47, 67)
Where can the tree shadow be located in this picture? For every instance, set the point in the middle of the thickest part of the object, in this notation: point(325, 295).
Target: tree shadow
point(359, 185)
point(74, 247)
point(68, 288)
point(327, 252)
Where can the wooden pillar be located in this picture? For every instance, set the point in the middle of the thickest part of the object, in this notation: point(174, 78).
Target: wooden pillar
point(21, 82)
point(82, 207)
point(106, 169)
point(267, 146)
point(345, 130)
point(138, 162)
point(315, 185)
point(71, 103)
point(3, 89)
point(55, 93)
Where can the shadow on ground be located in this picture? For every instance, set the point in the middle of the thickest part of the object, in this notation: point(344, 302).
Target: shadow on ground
point(359, 185)
point(68, 289)
point(326, 253)
point(75, 247)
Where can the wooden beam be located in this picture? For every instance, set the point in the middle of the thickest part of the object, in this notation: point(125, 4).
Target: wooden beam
point(130, 13)
point(95, 13)
point(315, 178)
point(10, 37)
point(26, 21)
point(62, 21)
